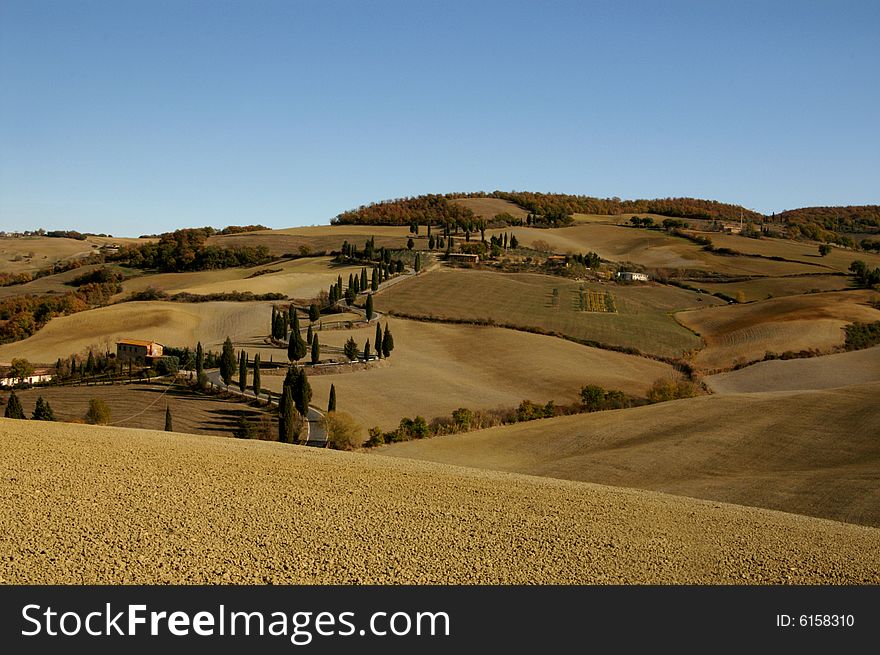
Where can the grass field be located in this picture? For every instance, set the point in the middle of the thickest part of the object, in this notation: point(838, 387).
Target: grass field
point(298, 278)
point(746, 332)
point(20, 254)
point(178, 324)
point(143, 406)
point(116, 506)
point(488, 208)
point(643, 318)
point(651, 248)
point(814, 453)
point(828, 372)
point(774, 287)
point(436, 369)
point(318, 238)
point(47, 284)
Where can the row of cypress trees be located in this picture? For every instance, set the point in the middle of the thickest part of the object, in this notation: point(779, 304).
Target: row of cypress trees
point(42, 410)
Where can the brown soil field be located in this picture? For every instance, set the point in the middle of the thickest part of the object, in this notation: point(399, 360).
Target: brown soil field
point(143, 406)
point(814, 453)
point(91, 505)
point(805, 251)
point(488, 208)
point(774, 287)
point(652, 249)
point(169, 323)
point(298, 278)
point(828, 372)
point(746, 332)
point(435, 369)
point(20, 254)
point(318, 238)
point(643, 318)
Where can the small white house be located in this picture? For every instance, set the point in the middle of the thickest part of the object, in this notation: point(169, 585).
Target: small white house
point(632, 276)
point(39, 375)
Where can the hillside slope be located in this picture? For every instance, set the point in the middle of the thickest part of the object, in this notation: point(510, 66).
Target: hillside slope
point(814, 453)
point(105, 505)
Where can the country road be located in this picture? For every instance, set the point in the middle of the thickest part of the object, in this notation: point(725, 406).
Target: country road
point(315, 436)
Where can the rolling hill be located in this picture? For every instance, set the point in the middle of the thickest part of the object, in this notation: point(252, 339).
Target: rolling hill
point(95, 505)
point(814, 453)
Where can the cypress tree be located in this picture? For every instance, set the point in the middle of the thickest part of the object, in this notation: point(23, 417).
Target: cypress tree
point(13, 407)
point(367, 351)
point(339, 285)
point(316, 350)
point(410, 244)
point(309, 335)
point(168, 426)
point(285, 416)
point(273, 326)
point(378, 340)
point(42, 411)
point(200, 358)
point(331, 404)
point(296, 347)
point(302, 392)
point(314, 312)
point(242, 371)
point(90, 363)
point(257, 375)
point(291, 313)
point(351, 349)
point(350, 281)
point(227, 361)
point(364, 279)
point(370, 312)
point(357, 284)
point(418, 264)
point(387, 342)
point(374, 282)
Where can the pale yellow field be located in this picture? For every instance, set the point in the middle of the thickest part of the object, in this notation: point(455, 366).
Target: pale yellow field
point(746, 332)
point(317, 238)
point(488, 208)
point(299, 278)
point(650, 248)
point(838, 259)
point(99, 505)
point(20, 254)
point(828, 372)
point(764, 287)
point(177, 324)
point(436, 369)
point(814, 453)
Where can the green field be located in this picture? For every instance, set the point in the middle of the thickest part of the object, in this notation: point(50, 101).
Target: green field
point(642, 316)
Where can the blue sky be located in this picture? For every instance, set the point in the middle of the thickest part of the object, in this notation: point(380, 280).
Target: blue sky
point(133, 117)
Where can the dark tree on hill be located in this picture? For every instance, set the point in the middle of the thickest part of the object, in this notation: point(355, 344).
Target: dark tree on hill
point(350, 281)
point(369, 309)
point(90, 363)
point(285, 416)
point(514, 244)
point(296, 347)
point(242, 371)
point(363, 285)
point(256, 386)
point(430, 243)
point(367, 351)
point(227, 361)
point(824, 249)
point(13, 407)
point(314, 313)
point(169, 427)
point(316, 350)
point(302, 393)
point(387, 342)
point(418, 263)
point(309, 335)
point(291, 314)
point(42, 411)
point(410, 244)
point(350, 296)
point(378, 339)
point(351, 349)
point(399, 266)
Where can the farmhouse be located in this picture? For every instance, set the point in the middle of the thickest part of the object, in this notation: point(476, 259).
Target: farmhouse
point(39, 375)
point(631, 276)
point(463, 257)
point(138, 352)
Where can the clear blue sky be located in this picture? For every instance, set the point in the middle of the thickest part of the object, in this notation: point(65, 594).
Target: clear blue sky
point(132, 117)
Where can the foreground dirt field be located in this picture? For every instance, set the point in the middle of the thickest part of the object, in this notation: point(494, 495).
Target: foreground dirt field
point(746, 332)
point(108, 505)
point(828, 372)
point(436, 369)
point(813, 453)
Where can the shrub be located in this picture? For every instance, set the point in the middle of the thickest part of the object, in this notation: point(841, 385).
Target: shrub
point(377, 437)
point(99, 413)
point(167, 365)
point(343, 432)
point(663, 390)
